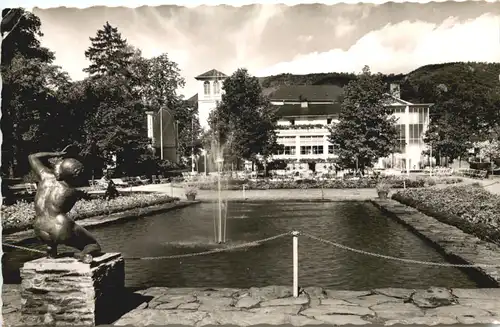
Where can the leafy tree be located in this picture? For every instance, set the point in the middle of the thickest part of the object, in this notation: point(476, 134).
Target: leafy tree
point(445, 141)
point(466, 99)
point(189, 129)
point(31, 84)
point(113, 110)
point(244, 123)
point(366, 129)
point(160, 79)
point(489, 150)
point(31, 111)
point(21, 34)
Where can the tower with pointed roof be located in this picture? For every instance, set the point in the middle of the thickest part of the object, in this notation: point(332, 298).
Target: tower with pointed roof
point(209, 93)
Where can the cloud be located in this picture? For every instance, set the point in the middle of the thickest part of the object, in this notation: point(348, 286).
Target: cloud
point(402, 47)
point(273, 39)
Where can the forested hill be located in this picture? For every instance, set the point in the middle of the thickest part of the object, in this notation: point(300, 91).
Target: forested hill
point(415, 86)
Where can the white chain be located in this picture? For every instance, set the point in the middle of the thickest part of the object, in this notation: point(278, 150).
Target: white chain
point(23, 248)
point(428, 263)
point(253, 243)
point(225, 249)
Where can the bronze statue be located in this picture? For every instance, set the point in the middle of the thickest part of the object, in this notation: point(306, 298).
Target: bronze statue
point(54, 198)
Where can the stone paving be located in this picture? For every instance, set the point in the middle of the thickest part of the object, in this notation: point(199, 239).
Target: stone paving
point(360, 194)
point(314, 306)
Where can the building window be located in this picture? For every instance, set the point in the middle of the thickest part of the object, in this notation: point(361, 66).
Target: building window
point(416, 134)
point(305, 150)
point(401, 137)
point(311, 144)
point(330, 148)
point(289, 150)
point(317, 149)
point(311, 149)
point(216, 87)
point(206, 87)
point(288, 143)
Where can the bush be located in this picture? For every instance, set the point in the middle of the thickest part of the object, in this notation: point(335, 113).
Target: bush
point(470, 208)
point(20, 216)
point(266, 184)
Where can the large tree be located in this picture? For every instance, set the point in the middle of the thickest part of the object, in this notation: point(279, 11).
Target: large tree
point(243, 124)
point(114, 115)
point(189, 129)
point(31, 86)
point(109, 53)
point(21, 34)
point(160, 80)
point(366, 129)
point(466, 97)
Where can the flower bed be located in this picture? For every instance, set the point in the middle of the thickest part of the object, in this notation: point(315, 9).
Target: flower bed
point(471, 208)
point(20, 216)
point(266, 184)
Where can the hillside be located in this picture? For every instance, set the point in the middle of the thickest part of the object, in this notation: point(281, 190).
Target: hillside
point(415, 86)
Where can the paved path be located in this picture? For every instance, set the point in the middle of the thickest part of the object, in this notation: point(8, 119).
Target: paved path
point(275, 305)
point(292, 194)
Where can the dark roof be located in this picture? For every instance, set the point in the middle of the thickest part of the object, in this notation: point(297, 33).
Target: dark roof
point(307, 92)
point(269, 90)
point(214, 73)
point(288, 110)
point(193, 99)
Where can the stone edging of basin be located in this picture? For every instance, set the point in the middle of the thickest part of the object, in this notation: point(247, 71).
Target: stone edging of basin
point(459, 246)
point(96, 221)
point(275, 305)
point(301, 200)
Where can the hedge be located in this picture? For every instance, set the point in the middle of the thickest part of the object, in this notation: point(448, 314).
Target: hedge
point(20, 216)
point(266, 184)
point(470, 208)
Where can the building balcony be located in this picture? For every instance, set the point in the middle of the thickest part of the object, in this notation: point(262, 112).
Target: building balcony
point(298, 132)
point(319, 157)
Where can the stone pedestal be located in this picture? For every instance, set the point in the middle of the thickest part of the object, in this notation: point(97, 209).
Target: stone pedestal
point(66, 292)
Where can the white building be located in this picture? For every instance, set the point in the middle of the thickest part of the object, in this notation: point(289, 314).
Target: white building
point(307, 110)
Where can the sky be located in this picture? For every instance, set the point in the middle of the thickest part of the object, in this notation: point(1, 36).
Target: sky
point(271, 38)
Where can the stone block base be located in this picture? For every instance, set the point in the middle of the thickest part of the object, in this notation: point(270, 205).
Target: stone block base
point(65, 292)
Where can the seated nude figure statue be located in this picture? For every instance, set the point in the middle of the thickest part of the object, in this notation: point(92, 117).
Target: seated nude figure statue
point(54, 199)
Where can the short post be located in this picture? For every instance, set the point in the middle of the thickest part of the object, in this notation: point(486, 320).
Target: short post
point(244, 191)
point(404, 183)
point(295, 235)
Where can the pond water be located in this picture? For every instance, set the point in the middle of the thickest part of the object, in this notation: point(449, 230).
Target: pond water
point(355, 224)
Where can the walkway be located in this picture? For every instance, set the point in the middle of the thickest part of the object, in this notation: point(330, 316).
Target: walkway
point(282, 194)
point(275, 305)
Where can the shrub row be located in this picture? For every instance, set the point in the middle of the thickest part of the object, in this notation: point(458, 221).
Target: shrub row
point(20, 216)
point(470, 208)
point(266, 184)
